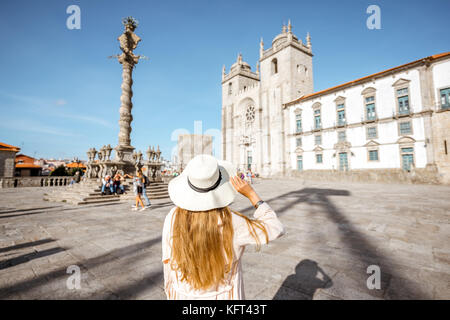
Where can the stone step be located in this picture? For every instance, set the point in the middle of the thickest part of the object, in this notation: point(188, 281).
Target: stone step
point(150, 196)
point(99, 193)
point(85, 193)
point(154, 197)
point(131, 188)
point(115, 199)
point(158, 197)
point(149, 193)
point(98, 201)
point(105, 197)
point(131, 194)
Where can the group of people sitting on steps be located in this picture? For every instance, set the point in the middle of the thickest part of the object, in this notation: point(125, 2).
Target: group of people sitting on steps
point(140, 183)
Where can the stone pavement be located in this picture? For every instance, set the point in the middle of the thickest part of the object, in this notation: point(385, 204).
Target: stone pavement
point(335, 231)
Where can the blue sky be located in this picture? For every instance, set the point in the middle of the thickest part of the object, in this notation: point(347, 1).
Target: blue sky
point(59, 93)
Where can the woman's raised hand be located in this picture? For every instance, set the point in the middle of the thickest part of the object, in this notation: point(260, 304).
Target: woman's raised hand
point(245, 189)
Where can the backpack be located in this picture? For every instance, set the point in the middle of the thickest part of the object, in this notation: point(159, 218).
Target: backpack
point(146, 181)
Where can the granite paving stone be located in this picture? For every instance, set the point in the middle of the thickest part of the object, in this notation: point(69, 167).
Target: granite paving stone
point(335, 231)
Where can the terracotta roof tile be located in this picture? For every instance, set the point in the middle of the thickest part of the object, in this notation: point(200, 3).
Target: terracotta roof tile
point(7, 147)
point(27, 165)
point(75, 165)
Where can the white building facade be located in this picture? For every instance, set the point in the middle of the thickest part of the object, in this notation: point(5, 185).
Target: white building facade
point(382, 121)
point(273, 123)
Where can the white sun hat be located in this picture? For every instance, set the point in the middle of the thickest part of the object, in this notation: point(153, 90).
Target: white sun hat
point(204, 184)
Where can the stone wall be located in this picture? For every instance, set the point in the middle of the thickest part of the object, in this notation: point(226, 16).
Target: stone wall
point(7, 163)
point(16, 182)
point(441, 143)
point(427, 175)
point(191, 145)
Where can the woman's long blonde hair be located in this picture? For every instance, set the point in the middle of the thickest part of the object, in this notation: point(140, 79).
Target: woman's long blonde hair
point(202, 246)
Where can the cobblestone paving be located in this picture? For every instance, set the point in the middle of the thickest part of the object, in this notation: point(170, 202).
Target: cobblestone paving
point(335, 231)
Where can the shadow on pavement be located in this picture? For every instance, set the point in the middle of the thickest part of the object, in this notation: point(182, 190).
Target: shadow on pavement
point(30, 209)
point(131, 291)
point(28, 257)
point(302, 285)
point(59, 208)
point(42, 280)
point(26, 245)
point(355, 242)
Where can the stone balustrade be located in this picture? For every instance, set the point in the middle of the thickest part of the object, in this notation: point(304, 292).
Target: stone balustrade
point(107, 166)
point(39, 181)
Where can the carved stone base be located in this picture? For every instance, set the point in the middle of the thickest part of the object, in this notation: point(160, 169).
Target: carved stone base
point(153, 171)
point(130, 168)
point(124, 153)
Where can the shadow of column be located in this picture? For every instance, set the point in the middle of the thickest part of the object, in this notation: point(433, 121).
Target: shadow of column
point(25, 285)
point(355, 242)
point(28, 257)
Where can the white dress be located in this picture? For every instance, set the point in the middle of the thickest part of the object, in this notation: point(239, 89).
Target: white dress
point(234, 288)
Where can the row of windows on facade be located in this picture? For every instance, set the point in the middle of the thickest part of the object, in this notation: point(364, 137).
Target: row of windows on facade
point(407, 158)
point(403, 108)
point(373, 156)
point(405, 128)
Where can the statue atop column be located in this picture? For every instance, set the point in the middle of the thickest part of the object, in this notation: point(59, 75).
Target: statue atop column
point(127, 160)
point(128, 42)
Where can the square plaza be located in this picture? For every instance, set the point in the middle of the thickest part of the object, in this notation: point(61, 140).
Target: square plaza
point(346, 137)
point(335, 231)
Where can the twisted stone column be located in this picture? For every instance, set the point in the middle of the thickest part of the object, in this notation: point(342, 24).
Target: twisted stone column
point(126, 105)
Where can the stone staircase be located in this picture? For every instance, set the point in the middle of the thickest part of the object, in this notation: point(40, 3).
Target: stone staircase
point(89, 192)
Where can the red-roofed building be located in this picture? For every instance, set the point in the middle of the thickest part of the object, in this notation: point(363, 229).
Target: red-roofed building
point(26, 166)
point(76, 165)
point(7, 158)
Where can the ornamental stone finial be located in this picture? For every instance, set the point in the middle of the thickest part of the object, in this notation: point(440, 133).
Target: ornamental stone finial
point(283, 30)
point(239, 58)
point(290, 36)
point(308, 40)
point(108, 150)
point(158, 154)
point(261, 48)
point(223, 72)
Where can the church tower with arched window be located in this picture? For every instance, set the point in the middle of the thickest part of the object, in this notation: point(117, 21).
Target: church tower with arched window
point(254, 124)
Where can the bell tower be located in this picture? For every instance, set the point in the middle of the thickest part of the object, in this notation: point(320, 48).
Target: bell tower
point(287, 64)
point(286, 74)
point(236, 86)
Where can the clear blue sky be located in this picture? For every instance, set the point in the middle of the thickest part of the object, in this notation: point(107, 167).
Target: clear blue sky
point(59, 94)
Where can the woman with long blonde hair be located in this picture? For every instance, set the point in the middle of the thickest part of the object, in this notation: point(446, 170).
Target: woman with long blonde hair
point(203, 240)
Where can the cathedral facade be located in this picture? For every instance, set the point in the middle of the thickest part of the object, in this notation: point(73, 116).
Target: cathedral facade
point(254, 123)
point(384, 126)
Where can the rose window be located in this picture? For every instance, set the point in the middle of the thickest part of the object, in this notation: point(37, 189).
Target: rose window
point(250, 113)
